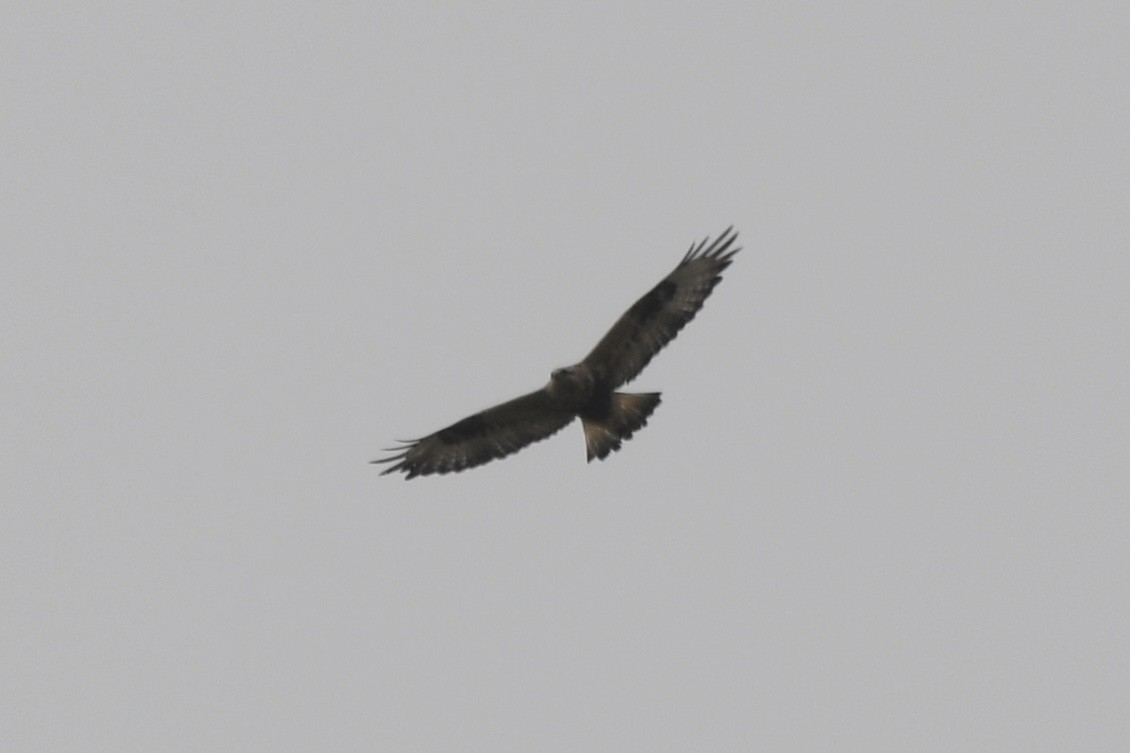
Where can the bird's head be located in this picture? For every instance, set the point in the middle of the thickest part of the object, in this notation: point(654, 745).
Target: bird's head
point(571, 382)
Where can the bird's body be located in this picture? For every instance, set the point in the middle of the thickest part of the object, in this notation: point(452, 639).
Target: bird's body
point(586, 390)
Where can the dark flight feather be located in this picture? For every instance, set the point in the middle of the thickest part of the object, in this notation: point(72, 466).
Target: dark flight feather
point(655, 319)
point(489, 435)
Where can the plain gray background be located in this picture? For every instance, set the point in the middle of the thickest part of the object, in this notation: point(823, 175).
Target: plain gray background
point(883, 507)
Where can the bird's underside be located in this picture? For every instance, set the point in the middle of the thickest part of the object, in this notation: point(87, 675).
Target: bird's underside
point(586, 390)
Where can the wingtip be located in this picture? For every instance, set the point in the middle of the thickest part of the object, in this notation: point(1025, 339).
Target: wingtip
point(399, 467)
point(719, 249)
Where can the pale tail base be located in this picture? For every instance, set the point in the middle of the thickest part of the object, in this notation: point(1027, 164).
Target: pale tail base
point(628, 414)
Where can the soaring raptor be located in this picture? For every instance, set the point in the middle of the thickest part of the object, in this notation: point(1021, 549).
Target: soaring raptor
point(586, 389)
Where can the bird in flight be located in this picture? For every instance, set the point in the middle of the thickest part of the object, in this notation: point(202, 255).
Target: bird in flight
point(586, 389)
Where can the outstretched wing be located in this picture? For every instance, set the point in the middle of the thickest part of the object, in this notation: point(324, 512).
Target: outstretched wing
point(654, 320)
point(493, 433)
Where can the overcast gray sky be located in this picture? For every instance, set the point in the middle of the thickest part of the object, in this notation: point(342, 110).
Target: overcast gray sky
point(883, 506)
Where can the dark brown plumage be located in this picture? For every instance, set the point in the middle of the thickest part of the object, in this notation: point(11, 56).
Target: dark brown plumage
point(587, 389)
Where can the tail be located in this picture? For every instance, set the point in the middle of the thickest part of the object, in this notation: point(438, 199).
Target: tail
point(627, 412)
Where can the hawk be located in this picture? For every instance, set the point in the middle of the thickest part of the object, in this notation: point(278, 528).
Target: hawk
point(586, 389)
